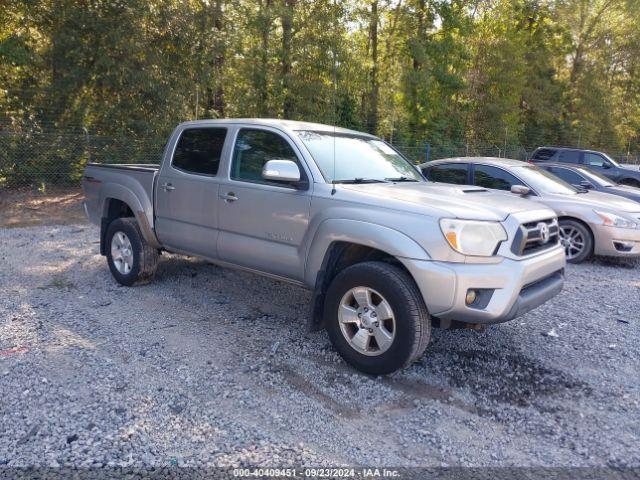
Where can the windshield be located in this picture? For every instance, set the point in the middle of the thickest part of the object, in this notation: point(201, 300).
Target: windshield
point(542, 181)
point(596, 177)
point(357, 158)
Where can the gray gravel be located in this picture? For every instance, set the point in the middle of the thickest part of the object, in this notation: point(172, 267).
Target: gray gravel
point(208, 366)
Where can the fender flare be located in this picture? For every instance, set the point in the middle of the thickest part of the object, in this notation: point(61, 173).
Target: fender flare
point(114, 191)
point(373, 235)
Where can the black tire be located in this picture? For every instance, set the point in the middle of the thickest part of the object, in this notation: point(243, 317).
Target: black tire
point(412, 320)
point(145, 257)
point(587, 251)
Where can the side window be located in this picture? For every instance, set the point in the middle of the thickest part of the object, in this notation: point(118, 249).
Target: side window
point(545, 154)
point(567, 175)
point(455, 173)
point(199, 149)
point(253, 149)
point(570, 156)
point(493, 177)
point(594, 160)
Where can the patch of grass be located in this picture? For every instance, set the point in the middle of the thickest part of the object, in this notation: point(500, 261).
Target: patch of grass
point(59, 282)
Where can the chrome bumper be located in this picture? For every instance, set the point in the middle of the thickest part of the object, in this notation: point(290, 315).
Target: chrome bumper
point(506, 289)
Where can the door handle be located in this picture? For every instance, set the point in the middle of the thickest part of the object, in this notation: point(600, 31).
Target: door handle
point(229, 197)
point(167, 187)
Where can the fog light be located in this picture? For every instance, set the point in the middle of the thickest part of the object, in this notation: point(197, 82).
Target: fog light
point(623, 246)
point(471, 296)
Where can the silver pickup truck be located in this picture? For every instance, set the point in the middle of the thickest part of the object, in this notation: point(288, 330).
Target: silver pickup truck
point(341, 213)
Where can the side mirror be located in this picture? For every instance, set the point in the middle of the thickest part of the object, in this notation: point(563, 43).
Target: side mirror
point(586, 185)
point(281, 171)
point(520, 190)
point(606, 165)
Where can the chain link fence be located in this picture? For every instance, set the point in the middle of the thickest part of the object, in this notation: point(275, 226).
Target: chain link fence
point(39, 160)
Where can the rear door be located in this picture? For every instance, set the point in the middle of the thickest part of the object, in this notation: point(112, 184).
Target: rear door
point(187, 192)
point(262, 223)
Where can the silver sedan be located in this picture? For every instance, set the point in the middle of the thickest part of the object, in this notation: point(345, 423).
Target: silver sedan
point(591, 223)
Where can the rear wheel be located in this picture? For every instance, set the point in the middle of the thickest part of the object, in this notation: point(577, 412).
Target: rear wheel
point(576, 239)
point(376, 317)
point(131, 259)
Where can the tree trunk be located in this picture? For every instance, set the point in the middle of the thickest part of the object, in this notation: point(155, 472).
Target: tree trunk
point(372, 110)
point(262, 75)
point(218, 60)
point(416, 61)
point(285, 62)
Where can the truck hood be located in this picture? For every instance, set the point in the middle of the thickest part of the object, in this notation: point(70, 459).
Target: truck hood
point(598, 200)
point(460, 201)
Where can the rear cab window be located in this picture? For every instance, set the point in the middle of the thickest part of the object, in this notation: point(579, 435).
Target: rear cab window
point(456, 173)
point(198, 150)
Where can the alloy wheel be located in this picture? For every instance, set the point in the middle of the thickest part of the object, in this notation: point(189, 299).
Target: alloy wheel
point(367, 321)
point(572, 240)
point(121, 253)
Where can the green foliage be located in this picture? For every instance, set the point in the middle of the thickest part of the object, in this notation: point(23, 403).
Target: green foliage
point(452, 73)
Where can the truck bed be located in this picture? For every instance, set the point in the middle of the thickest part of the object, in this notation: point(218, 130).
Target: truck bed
point(135, 181)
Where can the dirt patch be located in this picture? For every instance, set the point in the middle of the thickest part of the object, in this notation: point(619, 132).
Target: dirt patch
point(26, 208)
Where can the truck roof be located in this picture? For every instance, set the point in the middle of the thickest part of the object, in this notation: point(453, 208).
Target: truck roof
point(286, 125)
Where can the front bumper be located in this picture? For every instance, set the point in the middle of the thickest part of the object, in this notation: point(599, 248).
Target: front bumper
point(616, 242)
point(508, 289)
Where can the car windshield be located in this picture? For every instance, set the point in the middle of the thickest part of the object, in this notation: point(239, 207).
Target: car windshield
point(542, 181)
point(595, 177)
point(359, 159)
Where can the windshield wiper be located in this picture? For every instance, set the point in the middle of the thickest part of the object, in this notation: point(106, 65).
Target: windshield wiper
point(361, 180)
point(401, 179)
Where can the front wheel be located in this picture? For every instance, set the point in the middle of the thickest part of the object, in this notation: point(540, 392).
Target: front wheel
point(576, 240)
point(131, 259)
point(376, 317)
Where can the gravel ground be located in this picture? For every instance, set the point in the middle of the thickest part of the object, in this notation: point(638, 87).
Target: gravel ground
point(208, 366)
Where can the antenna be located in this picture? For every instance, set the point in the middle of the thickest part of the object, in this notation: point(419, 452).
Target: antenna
point(335, 94)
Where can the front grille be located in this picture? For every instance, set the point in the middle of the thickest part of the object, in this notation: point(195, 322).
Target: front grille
point(530, 239)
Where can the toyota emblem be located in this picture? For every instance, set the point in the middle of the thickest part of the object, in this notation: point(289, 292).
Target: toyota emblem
point(543, 228)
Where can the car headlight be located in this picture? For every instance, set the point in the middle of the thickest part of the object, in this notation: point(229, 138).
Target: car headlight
point(612, 220)
point(471, 237)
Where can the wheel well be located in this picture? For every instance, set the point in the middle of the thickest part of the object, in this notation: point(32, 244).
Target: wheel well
point(581, 222)
point(339, 256)
point(117, 209)
point(114, 209)
point(632, 182)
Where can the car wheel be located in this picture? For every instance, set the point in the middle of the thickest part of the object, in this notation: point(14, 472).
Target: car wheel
point(576, 239)
point(376, 317)
point(131, 259)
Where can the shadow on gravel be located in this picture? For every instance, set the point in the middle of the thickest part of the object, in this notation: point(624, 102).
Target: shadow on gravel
point(511, 379)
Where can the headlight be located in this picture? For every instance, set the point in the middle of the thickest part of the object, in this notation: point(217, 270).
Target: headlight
point(471, 237)
point(613, 220)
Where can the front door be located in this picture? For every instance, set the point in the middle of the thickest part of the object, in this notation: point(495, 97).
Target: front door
point(600, 164)
point(262, 223)
point(187, 193)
